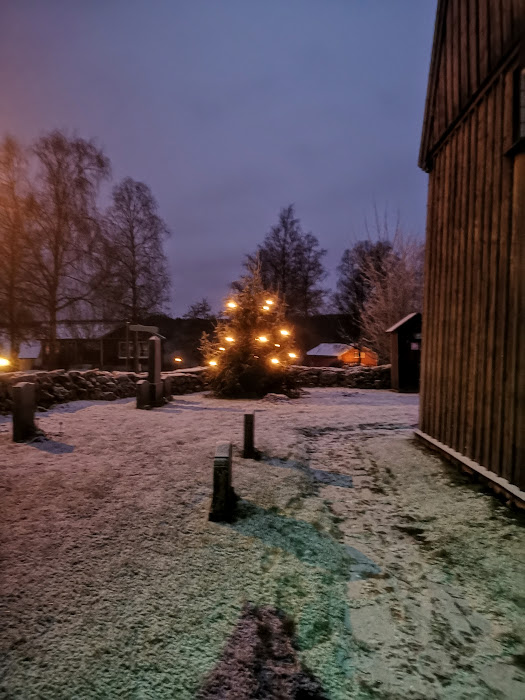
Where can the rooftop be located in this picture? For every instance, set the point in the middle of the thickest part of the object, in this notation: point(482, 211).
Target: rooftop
point(330, 349)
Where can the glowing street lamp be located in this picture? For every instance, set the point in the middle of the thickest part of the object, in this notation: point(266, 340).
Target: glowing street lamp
point(177, 359)
point(262, 339)
point(269, 302)
point(223, 349)
point(266, 308)
point(4, 362)
point(231, 305)
point(213, 363)
point(292, 355)
point(274, 361)
point(229, 339)
point(283, 332)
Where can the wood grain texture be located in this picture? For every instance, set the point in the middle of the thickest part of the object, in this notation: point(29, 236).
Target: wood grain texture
point(472, 40)
point(473, 368)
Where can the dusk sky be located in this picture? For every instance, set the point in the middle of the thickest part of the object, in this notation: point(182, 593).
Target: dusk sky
point(230, 110)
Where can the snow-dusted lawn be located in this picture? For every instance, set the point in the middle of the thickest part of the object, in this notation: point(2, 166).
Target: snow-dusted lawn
point(114, 583)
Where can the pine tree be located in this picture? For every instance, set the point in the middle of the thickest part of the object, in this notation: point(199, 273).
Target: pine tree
point(253, 345)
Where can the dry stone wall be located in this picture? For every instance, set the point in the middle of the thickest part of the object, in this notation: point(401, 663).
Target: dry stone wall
point(356, 377)
point(60, 386)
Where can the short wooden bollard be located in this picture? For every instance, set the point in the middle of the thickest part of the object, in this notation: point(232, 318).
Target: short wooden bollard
point(224, 498)
point(24, 427)
point(249, 451)
point(143, 391)
point(156, 394)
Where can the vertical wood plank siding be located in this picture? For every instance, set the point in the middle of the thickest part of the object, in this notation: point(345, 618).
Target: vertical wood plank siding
point(473, 37)
point(470, 353)
point(473, 368)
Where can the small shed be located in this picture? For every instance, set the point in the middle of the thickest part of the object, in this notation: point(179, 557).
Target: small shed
point(30, 356)
point(406, 353)
point(338, 354)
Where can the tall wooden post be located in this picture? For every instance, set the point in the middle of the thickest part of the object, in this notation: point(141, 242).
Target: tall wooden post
point(154, 366)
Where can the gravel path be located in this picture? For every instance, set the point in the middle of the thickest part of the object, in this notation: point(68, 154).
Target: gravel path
point(402, 579)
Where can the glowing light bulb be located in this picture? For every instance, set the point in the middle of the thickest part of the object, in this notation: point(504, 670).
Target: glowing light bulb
point(292, 354)
point(263, 339)
point(213, 363)
point(274, 361)
point(283, 332)
point(269, 301)
point(231, 305)
point(266, 308)
point(4, 362)
point(277, 345)
point(229, 339)
point(223, 349)
point(177, 359)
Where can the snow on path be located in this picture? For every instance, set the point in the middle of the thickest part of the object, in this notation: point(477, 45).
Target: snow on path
point(114, 583)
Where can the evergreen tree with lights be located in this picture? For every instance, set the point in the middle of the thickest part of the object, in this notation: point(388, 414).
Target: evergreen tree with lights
point(253, 345)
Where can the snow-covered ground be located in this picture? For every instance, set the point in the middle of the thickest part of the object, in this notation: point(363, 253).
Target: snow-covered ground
point(404, 579)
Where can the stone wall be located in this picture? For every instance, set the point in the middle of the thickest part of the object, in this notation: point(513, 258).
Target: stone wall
point(356, 377)
point(60, 386)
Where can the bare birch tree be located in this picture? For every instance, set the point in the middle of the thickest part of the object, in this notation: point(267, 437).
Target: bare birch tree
point(396, 290)
point(14, 193)
point(353, 285)
point(65, 226)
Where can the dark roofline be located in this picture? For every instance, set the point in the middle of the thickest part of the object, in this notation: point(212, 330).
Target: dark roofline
point(437, 44)
point(404, 320)
point(428, 149)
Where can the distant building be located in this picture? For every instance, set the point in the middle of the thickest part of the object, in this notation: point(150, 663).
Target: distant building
point(473, 147)
point(405, 353)
point(339, 354)
point(30, 356)
point(180, 342)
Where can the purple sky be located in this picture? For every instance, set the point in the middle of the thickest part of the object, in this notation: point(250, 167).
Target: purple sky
point(231, 109)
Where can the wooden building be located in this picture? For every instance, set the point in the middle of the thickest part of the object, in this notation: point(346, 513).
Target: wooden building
point(405, 353)
point(340, 355)
point(473, 147)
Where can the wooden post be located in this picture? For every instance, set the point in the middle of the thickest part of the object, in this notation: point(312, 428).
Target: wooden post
point(224, 498)
point(143, 393)
point(249, 430)
point(154, 362)
point(24, 427)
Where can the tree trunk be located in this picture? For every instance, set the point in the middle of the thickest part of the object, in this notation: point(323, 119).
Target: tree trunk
point(53, 349)
point(13, 330)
